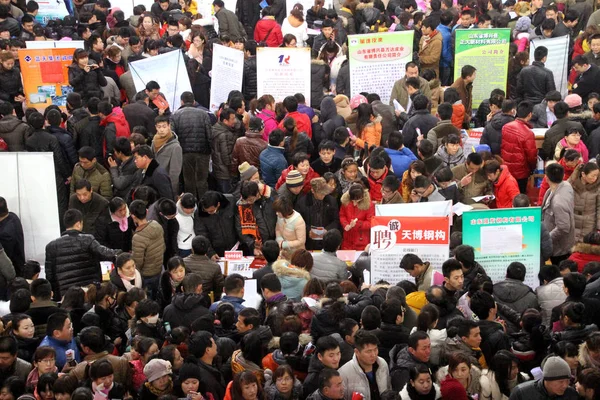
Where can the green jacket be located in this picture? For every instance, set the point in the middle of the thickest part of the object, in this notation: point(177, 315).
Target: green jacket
point(98, 176)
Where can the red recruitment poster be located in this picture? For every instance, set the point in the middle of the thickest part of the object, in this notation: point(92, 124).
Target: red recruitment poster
point(45, 76)
point(393, 237)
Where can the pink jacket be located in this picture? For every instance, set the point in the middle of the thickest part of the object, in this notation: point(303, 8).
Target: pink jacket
point(268, 118)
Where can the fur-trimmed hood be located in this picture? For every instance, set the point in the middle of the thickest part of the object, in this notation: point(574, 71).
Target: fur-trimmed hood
point(587, 248)
point(317, 62)
point(325, 301)
point(577, 183)
point(362, 6)
point(364, 204)
point(282, 268)
point(303, 339)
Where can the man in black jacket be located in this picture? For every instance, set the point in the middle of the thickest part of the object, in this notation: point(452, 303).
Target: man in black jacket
point(153, 174)
point(11, 236)
point(188, 306)
point(203, 346)
point(493, 338)
point(194, 131)
point(124, 174)
point(72, 259)
point(139, 113)
point(588, 80)
point(327, 356)
point(214, 219)
point(534, 81)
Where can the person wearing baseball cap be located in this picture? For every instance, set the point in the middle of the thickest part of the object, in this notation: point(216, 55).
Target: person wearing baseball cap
point(158, 379)
point(553, 385)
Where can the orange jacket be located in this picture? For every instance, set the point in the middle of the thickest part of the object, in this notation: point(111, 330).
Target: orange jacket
point(370, 134)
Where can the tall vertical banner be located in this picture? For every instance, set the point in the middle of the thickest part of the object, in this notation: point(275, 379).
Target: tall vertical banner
point(486, 50)
point(374, 53)
point(168, 70)
point(227, 74)
point(503, 236)
point(393, 237)
point(283, 71)
point(46, 76)
point(557, 61)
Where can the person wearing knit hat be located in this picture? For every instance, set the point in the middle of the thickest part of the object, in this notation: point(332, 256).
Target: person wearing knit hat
point(319, 211)
point(357, 100)
point(248, 172)
point(452, 389)
point(158, 374)
point(292, 187)
point(553, 385)
point(189, 382)
point(573, 100)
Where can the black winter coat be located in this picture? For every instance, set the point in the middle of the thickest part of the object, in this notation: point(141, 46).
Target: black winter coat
point(303, 145)
point(218, 228)
point(10, 84)
point(533, 82)
point(72, 260)
point(193, 129)
point(66, 144)
point(326, 321)
point(250, 79)
point(110, 235)
point(92, 134)
point(158, 179)
point(12, 240)
point(213, 379)
point(248, 13)
point(185, 308)
point(492, 133)
point(493, 339)
point(87, 84)
point(319, 81)
point(329, 216)
point(139, 114)
point(593, 143)
point(575, 335)
point(170, 229)
point(390, 335)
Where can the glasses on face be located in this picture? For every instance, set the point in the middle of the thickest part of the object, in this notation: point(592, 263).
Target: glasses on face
point(48, 361)
point(575, 134)
point(284, 379)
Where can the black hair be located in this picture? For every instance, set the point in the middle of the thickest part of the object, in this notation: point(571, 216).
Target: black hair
point(516, 270)
point(481, 304)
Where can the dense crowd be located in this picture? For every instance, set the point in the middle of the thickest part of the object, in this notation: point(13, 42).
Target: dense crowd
point(162, 193)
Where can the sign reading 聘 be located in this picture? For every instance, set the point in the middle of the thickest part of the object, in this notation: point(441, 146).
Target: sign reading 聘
point(374, 53)
point(283, 71)
point(393, 237)
point(486, 50)
point(502, 236)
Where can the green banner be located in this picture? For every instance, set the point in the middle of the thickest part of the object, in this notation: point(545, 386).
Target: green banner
point(486, 50)
point(503, 236)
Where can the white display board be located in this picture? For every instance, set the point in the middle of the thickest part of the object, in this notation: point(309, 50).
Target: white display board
point(55, 44)
point(168, 70)
point(29, 187)
point(430, 209)
point(557, 62)
point(283, 71)
point(227, 74)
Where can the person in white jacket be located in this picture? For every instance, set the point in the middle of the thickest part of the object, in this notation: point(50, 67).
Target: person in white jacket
point(296, 25)
point(365, 362)
point(503, 376)
point(186, 207)
point(426, 322)
point(551, 293)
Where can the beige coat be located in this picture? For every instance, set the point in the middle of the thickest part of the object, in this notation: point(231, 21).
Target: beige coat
point(430, 52)
point(400, 93)
point(291, 232)
point(587, 204)
point(148, 248)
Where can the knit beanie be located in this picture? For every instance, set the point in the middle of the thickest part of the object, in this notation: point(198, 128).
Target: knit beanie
point(573, 100)
point(294, 179)
point(555, 369)
point(189, 370)
point(452, 389)
point(246, 171)
point(523, 24)
point(156, 369)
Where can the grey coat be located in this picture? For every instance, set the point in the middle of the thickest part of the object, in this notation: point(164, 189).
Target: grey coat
point(587, 204)
point(515, 294)
point(328, 267)
point(558, 217)
point(535, 390)
point(170, 157)
point(549, 296)
point(355, 380)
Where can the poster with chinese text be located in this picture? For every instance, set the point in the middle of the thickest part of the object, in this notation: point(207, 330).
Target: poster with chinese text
point(557, 60)
point(393, 237)
point(377, 60)
point(46, 77)
point(53, 9)
point(486, 50)
point(503, 236)
point(227, 74)
point(283, 71)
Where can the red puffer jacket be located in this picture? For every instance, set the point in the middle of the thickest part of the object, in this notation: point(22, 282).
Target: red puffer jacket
point(310, 176)
point(584, 253)
point(506, 189)
point(518, 148)
point(262, 28)
point(358, 237)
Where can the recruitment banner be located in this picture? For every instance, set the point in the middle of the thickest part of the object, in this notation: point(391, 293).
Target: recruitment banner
point(227, 74)
point(168, 70)
point(503, 236)
point(45, 76)
point(283, 71)
point(486, 50)
point(373, 53)
point(393, 237)
point(557, 61)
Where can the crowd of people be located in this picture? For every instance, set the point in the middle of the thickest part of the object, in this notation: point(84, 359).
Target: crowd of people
point(163, 193)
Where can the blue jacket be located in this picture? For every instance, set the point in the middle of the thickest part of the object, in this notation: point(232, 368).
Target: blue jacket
point(236, 302)
point(272, 164)
point(446, 59)
point(401, 160)
point(60, 346)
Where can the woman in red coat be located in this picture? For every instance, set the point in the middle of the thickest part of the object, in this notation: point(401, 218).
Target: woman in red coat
point(268, 30)
point(355, 215)
point(587, 251)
